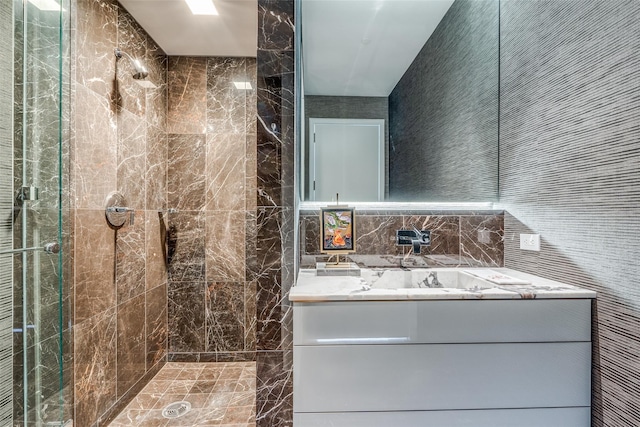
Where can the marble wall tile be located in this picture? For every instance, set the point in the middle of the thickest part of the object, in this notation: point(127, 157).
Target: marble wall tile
point(133, 40)
point(130, 259)
point(251, 167)
point(186, 246)
point(131, 354)
point(269, 169)
point(269, 302)
point(250, 321)
point(445, 233)
point(251, 96)
point(274, 375)
point(96, 37)
point(132, 149)
point(156, 99)
point(225, 171)
point(94, 282)
point(155, 183)
point(186, 316)
point(95, 367)
point(226, 106)
point(275, 25)
point(225, 246)
point(95, 150)
point(310, 234)
point(225, 305)
point(376, 234)
point(156, 325)
point(186, 184)
point(155, 249)
point(482, 240)
point(269, 246)
point(187, 95)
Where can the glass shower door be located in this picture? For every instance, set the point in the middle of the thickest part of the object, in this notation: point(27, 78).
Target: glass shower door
point(36, 216)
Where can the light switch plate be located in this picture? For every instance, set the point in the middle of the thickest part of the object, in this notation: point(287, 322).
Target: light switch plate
point(530, 242)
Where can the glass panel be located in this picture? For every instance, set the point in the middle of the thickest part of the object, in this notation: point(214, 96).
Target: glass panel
point(37, 348)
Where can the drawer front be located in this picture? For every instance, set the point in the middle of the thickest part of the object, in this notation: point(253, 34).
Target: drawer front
point(565, 417)
point(441, 377)
point(415, 322)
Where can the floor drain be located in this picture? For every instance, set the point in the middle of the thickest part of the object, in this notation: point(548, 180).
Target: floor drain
point(176, 409)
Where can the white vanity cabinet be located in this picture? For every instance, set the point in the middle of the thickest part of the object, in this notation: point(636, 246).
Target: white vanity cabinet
point(443, 363)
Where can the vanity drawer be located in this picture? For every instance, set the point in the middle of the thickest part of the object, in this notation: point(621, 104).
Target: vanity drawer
point(539, 417)
point(441, 377)
point(456, 321)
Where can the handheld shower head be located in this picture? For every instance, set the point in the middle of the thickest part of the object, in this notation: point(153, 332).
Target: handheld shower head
point(140, 72)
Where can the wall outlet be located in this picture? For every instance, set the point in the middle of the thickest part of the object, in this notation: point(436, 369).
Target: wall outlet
point(530, 242)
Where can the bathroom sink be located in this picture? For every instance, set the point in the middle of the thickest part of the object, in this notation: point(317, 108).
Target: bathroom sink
point(423, 278)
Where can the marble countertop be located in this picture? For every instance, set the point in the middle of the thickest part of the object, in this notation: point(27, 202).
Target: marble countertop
point(312, 288)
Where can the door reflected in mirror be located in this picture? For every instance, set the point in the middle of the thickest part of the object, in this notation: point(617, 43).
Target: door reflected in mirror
point(427, 72)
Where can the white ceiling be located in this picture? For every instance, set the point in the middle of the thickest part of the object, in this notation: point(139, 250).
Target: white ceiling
point(363, 47)
point(234, 32)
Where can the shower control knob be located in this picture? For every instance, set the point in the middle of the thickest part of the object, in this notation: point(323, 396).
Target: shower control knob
point(52, 248)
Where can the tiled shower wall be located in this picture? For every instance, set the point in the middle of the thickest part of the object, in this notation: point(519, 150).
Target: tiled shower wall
point(273, 263)
point(211, 192)
point(119, 276)
point(570, 112)
point(458, 239)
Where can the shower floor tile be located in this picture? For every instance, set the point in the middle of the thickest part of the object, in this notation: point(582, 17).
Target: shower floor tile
point(221, 395)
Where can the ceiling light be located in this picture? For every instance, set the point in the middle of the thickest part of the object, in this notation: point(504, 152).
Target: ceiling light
point(243, 85)
point(202, 7)
point(46, 5)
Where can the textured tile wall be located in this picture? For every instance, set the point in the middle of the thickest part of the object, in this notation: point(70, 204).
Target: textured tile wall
point(119, 143)
point(570, 112)
point(6, 210)
point(211, 177)
point(272, 254)
point(444, 112)
point(458, 239)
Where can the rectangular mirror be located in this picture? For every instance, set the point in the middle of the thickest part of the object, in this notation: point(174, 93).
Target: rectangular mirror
point(426, 72)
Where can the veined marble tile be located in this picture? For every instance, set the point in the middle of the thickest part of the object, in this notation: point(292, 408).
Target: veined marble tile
point(156, 99)
point(130, 259)
point(251, 96)
point(95, 366)
point(132, 149)
point(95, 149)
point(156, 169)
point(482, 240)
point(132, 39)
point(156, 325)
point(225, 307)
point(226, 105)
point(186, 316)
point(251, 168)
point(275, 24)
point(375, 234)
point(187, 95)
point(186, 246)
point(445, 233)
point(186, 168)
point(96, 38)
point(155, 249)
point(250, 321)
point(131, 355)
point(95, 290)
point(225, 246)
point(225, 171)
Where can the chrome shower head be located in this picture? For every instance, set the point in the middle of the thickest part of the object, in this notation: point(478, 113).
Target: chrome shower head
point(140, 72)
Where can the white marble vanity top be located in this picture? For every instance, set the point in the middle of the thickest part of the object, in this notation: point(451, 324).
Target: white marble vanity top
point(312, 288)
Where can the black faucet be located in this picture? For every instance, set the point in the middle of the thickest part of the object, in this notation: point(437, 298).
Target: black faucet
point(415, 238)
